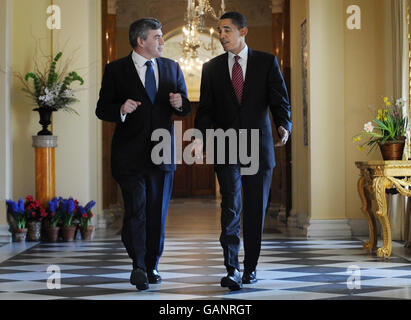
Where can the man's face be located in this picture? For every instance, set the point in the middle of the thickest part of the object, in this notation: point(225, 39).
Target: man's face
point(152, 47)
point(231, 38)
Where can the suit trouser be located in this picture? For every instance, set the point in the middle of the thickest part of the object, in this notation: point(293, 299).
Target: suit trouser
point(146, 197)
point(255, 193)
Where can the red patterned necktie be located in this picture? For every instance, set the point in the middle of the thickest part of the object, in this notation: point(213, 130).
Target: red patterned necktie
point(238, 80)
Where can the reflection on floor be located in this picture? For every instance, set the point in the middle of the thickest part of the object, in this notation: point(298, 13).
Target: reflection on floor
point(290, 267)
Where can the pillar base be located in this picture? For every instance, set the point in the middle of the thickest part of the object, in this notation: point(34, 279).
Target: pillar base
point(330, 229)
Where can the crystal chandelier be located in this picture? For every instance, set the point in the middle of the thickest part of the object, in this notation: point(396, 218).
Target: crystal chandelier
point(195, 24)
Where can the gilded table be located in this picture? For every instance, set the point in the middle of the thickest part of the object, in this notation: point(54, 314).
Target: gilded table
point(376, 177)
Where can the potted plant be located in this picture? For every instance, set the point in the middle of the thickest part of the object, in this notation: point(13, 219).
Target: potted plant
point(387, 130)
point(85, 216)
point(53, 219)
point(17, 220)
point(35, 215)
point(50, 90)
point(67, 210)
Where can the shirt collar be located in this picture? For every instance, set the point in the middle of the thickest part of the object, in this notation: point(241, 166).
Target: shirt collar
point(243, 53)
point(139, 60)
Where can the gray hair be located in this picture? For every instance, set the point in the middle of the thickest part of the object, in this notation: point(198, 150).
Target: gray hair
point(140, 29)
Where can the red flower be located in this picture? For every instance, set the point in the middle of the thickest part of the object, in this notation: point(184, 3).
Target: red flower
point(29, 198)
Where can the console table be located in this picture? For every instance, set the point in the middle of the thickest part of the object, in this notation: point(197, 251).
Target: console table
point(376, 177)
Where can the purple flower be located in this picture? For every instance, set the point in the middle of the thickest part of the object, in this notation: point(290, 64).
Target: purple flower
point(12, 206)
point(70, 206)
point(21, 205)
point(90, 205)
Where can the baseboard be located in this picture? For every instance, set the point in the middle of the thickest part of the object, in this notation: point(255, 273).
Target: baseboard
point(297, 220)
point(5, 235)
point(333, 229)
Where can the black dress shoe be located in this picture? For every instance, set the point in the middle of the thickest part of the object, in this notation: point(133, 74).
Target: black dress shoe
point(153, 277)
point(139, 278)
point(232, 280)
point(249, 277)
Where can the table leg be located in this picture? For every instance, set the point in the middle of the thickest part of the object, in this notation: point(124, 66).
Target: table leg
point(380, 184)
point(366, 209)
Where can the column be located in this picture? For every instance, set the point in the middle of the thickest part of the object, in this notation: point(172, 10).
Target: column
point(45, 175)
point(327, 181)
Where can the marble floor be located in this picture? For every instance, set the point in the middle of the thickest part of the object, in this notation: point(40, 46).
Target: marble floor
point(290, 266)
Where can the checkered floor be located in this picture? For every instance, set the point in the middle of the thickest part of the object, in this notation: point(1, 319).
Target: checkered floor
point(191, 268)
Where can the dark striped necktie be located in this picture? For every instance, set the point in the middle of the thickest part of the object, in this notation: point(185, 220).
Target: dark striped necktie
point(238, 79)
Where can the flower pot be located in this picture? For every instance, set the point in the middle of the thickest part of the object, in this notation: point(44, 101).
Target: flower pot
point(19, 235)
point(52, 233)
point(86, 234)
point(45, 120)
point(68, 233)
point(392, 150)
point(33, 231)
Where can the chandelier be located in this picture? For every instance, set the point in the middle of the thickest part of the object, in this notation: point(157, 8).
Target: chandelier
point(195, 25)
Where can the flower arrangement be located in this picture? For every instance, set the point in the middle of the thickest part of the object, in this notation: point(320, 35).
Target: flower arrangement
point(51, 88)
point(34, 210)
point(389, 125)
point(17, 211)
point(85, 214)
point(54, 212)
point(67, 208)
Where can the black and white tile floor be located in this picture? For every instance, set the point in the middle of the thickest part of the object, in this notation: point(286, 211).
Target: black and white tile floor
point(192, 265)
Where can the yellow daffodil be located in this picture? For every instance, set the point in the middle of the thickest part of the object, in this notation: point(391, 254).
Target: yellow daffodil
point(360, 148)
point(385, 99)
point(357, 138)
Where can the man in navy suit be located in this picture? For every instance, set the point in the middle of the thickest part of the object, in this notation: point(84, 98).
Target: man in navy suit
point(238, 89)
point(140, 93)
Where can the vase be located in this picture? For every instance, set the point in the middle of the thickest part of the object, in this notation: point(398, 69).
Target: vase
point(392, 150)
point(33, 231)
point(52, 233)
point(68, 233)
point(45, 120)
point(19, 234)
point(86, 234)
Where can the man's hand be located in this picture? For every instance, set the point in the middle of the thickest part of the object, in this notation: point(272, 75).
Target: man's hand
point(197, 148)
point(283, 134)
point(176, 101)
point(129, 106)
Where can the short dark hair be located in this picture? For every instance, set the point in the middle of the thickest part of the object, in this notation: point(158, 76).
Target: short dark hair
point(237, 18)
point(140, 29)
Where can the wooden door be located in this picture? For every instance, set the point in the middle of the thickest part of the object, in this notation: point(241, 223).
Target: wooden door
point(195, 179)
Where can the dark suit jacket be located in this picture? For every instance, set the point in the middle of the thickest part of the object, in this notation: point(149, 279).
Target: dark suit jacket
point(264, 89)
point(131, 144)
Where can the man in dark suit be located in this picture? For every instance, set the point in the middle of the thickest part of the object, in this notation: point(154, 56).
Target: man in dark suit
point(238, 89)
point(140, 93)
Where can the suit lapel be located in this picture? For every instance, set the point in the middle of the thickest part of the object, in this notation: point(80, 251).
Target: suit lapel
point(249, 75)
point(161, 75)
point(132, 75)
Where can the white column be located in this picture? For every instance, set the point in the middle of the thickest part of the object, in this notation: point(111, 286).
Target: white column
point(5, 130)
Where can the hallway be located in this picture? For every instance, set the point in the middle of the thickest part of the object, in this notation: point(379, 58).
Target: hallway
point(290, 267)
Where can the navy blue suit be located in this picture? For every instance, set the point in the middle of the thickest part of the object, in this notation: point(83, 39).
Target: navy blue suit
point(146, 187)
point(264, 90)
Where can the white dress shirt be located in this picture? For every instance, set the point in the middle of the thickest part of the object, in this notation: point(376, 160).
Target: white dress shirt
point(140, 64)
point(242, 61)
